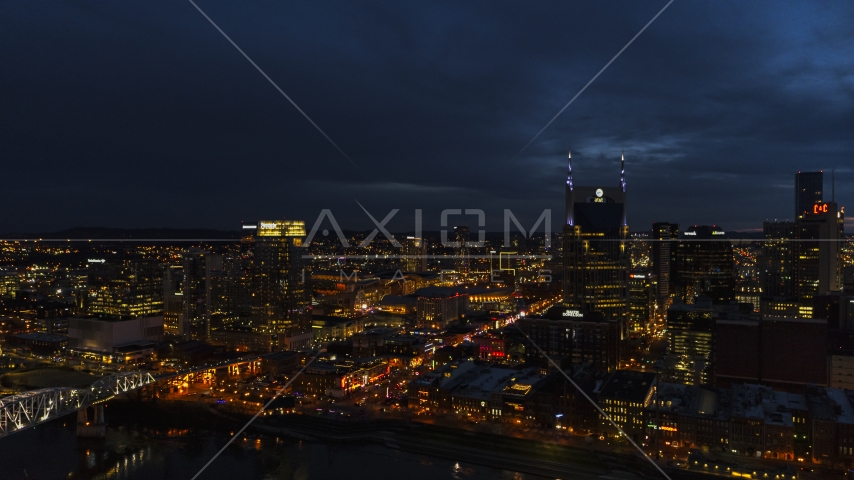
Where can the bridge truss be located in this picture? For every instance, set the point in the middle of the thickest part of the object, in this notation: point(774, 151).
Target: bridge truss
point(28, 409)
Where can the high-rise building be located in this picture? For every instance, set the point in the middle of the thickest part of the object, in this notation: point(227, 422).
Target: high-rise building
point(569, 336)
point(819, 237)
point(197, 287)
point(690, 337)
point(642, 286)
point(703, 263)
point(663, 236)
point(281, 299)
point(415, 254)
point(776, 273)
point(173, 301)
point(231, 290)
point(125, 287)
point(808, 191)
point(461, 251)
point(595, 252)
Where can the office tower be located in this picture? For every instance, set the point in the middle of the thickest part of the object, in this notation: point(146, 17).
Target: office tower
point(690, 331)
point(596, 257)
point(703, 263)
point(808, 191)
point(198, 268)
point(281, 298)
point(641, 299)
point(461, 251)
point(415, 254)
point(569, 336)
point(231, 290)
point(9, 282)
point(663, 236)
point(125, 287)
point(819, 237)
point(776, 262)
point(173, 300)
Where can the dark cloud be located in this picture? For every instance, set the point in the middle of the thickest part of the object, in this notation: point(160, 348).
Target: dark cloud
point(142, 114)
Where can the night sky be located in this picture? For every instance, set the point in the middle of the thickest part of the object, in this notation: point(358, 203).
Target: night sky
point(140, 114)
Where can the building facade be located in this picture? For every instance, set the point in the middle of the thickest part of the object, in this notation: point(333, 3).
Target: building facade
point(125, 287)
point(595, 251)
point(281, 300)
point(819, 238)
point(703, 264)
point(663, 237)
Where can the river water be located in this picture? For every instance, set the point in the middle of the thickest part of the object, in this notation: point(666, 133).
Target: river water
point(53, 451)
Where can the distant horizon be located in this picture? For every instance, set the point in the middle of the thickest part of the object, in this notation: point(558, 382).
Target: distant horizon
point(46, 235)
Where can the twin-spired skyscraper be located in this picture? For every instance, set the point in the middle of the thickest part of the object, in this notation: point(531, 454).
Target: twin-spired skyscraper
point(595, 249)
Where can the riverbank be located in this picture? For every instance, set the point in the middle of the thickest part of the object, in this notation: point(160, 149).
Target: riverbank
point(527, 456)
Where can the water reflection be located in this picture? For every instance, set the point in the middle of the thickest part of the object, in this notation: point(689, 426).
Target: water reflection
point(53, 451)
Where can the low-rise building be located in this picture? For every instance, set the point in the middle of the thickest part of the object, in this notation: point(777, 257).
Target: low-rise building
point(280, 363)
point(328, 328)
point(438, 306)
point(120, 340)
point(398, 304)
point(369, 343)
point(39, 343)
point(245, 340)
point(339, 378)
point(624, 398)
point(484, 391)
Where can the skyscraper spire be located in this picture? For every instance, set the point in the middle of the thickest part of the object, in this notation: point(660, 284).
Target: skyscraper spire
point(622, 171)
point(569, 172)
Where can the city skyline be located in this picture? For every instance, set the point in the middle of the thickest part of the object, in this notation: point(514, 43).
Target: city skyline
point(330, 240)
point(326, 218)
point(123, 126)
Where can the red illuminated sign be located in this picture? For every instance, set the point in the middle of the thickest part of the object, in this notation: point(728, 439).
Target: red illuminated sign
point(819, 208)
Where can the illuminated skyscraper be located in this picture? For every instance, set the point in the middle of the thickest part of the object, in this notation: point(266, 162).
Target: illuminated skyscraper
point(642, 287)
point(197, 293)
point(596, 256)
point(663, 237)
point(173, 300)
point(808, 191)
point(819, 237)
point(690, 338)
point(461, 252)
point(125, 287)
point(231, 289)
point(703, 264)
point(776, 262)
point(281, 300)
point(415, 253)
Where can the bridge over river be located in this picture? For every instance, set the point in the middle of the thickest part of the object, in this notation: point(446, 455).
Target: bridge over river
point(28, 409)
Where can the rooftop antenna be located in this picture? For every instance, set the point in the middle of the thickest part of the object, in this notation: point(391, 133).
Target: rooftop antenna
point(622, 170)
point(569, 172)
